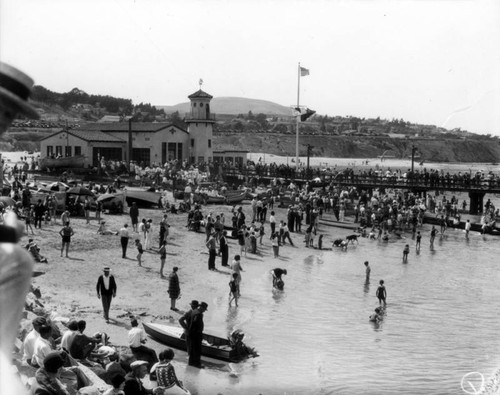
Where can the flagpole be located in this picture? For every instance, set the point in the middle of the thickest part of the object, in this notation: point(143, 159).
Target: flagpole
point(297, 128)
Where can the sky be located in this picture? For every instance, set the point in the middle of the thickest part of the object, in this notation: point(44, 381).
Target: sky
point(426, 61)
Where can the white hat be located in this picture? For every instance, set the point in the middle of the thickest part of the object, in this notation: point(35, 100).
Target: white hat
point(138, 363)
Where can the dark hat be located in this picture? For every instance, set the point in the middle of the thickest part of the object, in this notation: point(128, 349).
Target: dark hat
point(53, 361)
point(204, 305)
point(106, 269)
point(15, 88)
point(194, 303)
point(175, 268)
point(39, 321)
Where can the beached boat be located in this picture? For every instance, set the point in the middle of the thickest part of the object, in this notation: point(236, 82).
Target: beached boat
point(212, 346)
point(77, 161)
point(142, 198)
point(475, 227)
point(237, 197)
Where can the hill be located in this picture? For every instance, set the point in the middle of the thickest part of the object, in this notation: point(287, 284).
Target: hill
point(234, 106)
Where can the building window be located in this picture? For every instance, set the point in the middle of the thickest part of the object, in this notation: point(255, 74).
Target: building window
point(194, 104)
point(147, 138)
point(68, 151)
point(58, 150)
point(50, 150)
point(192, 142)
point(201, 104)
point(201, 159)
point(141, 155)
point(209, 143)
point(78, 150)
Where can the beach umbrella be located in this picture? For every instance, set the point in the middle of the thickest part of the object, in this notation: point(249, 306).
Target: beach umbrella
point(7, 201)
point(58, 186)
point(79, 191)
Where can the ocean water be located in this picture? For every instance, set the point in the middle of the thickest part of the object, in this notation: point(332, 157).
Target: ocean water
point(441, 320)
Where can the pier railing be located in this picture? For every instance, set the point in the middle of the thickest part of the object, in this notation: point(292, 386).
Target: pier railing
point(473, 184)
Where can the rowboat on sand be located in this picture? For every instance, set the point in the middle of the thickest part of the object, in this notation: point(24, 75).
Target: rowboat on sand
point(142, 198)
point(212, 346)
point(77, 161)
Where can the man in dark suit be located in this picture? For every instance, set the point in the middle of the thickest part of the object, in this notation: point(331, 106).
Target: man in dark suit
point(185, 322)
point(106, 290)
point(196, 335)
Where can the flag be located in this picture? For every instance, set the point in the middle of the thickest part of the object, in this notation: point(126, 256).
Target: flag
point(200, 82)
point(303, 112)
point(304, 71)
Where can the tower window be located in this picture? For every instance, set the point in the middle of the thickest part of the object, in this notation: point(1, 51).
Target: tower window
point(192, 142)
point(209, 143)
point(201, 104)
point(194, 104)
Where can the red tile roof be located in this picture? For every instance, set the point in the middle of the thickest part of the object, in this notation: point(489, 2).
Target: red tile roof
point(200, 94)
point(135, 126)
point(90, 135)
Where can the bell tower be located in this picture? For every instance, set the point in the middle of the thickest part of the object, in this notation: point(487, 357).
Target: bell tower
point(200, 127)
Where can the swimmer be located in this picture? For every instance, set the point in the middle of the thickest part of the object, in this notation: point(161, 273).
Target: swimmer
point(381, 293)
point(377, 317)
point(406, 251)
point(419, 239)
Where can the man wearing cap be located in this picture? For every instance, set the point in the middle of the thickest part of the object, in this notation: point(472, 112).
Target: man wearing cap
point(185, 322)
point(133, 379)
point(15, 261)
point(196, 335)
point(47, 381)
point(106, 291)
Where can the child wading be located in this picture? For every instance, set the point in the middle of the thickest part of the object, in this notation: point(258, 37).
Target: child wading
point(140, 251)
point(233, 289)
point(381, 293)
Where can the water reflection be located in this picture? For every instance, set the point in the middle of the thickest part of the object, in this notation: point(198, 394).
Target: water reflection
point(366, 287)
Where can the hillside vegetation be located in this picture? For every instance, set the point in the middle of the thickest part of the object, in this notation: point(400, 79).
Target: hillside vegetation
point(260, 126)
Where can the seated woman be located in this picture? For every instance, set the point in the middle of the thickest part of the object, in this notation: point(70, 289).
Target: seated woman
point(165, 373)
point(103, 229)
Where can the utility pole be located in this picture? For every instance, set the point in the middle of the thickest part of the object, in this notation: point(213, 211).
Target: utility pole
point(130, 142)
point(413, 150)
point(309, 149)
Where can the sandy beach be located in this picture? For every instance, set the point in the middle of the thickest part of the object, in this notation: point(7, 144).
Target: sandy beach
point(68, 285)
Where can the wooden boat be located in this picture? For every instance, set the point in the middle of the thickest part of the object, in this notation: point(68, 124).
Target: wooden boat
point(235, 198)
point(142, 198)
point(339, 224)
point(212, 346)
point(475, 227)
point(77, 161)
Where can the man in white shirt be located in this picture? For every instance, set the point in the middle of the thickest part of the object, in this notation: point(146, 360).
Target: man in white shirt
point(136, 339)
point(69, 335)
point(272, 222)
point(124, 236)
point(42, 346)
point(31, 338)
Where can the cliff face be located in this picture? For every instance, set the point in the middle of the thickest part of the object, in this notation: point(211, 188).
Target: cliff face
point(435, 150)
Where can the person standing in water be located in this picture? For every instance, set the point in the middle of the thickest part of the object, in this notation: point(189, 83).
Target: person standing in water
point(406, 251)
point(433, 235)
point(417, 243)
point(381, 293)
point(368, 270)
